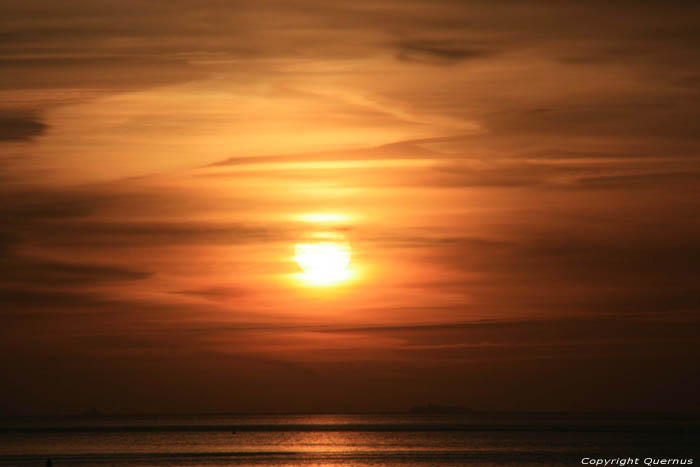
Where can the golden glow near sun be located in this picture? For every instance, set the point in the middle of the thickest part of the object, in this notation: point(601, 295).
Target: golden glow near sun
point(324, 263)
point(324, 217)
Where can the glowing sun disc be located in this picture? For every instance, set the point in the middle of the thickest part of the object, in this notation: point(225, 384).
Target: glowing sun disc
point(323, 263)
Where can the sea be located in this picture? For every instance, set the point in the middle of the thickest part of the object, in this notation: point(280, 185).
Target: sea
point(390, 439)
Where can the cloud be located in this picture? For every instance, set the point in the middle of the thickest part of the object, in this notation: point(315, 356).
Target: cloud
point(7, 243)
point(101, 74)
point(24, 269)
point(574, 175)
point(594, 273)
point(438, 52)
point(409, 149)
point(38, 203)
point(103, 215)
point(20, 127)
point(214, 293)
point(129, 233)
point(23, 301)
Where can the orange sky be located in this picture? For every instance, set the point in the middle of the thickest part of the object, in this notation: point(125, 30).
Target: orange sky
point(517, 183)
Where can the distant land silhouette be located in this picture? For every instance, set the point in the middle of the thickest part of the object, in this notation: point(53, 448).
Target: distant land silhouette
point(93, 412)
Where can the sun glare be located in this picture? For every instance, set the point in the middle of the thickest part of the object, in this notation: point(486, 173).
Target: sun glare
point(323, 263)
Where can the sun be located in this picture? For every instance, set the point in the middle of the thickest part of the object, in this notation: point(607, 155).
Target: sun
point(324, 263)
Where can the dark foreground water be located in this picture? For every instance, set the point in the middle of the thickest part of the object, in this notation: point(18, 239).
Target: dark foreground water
point(350, 440)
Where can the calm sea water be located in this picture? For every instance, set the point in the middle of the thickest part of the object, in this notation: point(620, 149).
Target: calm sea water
point(345, 440)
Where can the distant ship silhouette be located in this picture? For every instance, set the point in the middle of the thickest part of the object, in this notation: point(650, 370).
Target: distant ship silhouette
point(440, 409)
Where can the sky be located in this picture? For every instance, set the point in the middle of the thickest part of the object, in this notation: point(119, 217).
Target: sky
point(505, 195)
